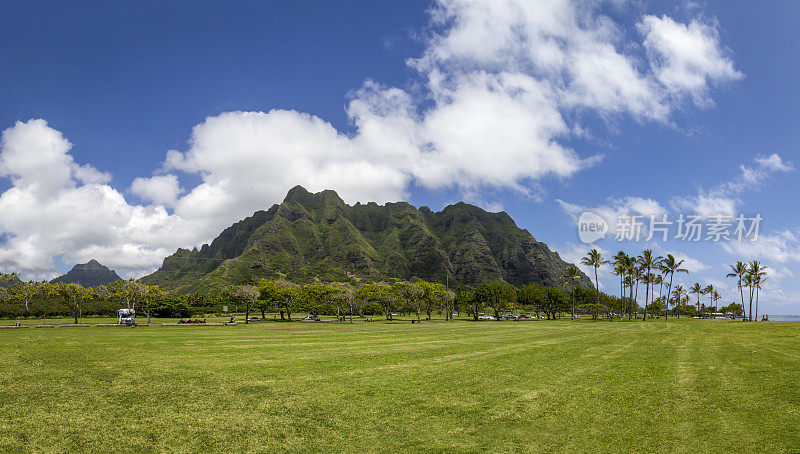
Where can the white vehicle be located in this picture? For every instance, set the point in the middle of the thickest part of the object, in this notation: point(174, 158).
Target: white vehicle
point(486, 317)
point(126, 317)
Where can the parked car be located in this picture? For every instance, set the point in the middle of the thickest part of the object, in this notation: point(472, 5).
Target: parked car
point(486, 317)
point(254, 319)
point(311, 318)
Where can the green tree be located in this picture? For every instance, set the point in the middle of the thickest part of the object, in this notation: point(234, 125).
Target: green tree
point(342, 299)
point(432, 295)
point(620, 263)
point(697, 290)
point(26, 292)
point(570, 278)
point(288, 297)
point(658, 279)
point(473, 304)
point(756, 273)
point(448, 300)
point(671, 266)
point(270, 296)
point(412, 294)
point(709, 290)
point(534, 297)
point(678, 294)
point(378, 293)
point(635, 275)
point(130, 292)
point(151, 296)
point(246, 295)
point(317, 296)
point(648, 263)
point(738, 271)
point(498, 295)
point(595, 259)
point(72, 295)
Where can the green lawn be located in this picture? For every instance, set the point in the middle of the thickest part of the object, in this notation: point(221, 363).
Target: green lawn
point(682, 385)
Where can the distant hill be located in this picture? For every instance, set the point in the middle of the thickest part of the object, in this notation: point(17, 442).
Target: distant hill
point(91, 274)
point(318, 236)
point(9, 282)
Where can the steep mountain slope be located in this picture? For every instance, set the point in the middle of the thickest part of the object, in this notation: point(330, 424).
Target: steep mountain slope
point(91, 274)
point(312, 236)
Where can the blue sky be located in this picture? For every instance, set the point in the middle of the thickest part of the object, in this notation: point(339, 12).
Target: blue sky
point(381, 101)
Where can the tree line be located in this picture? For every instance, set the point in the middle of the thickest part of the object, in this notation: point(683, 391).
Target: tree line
point(39, 298)
point(651, 272)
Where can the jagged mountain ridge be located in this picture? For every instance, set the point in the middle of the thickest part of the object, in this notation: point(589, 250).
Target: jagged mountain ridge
point(90, 274)
point(311, 236)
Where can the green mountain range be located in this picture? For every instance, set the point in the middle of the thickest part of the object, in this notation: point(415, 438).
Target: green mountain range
point(318, 236)
point(90, 274)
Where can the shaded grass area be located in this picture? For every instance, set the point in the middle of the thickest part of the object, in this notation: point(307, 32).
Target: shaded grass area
point(682, 385)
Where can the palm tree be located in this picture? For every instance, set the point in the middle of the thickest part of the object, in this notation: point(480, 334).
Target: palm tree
point(747, 281)
point(671, 266)
point(709, 290)
point(648, 262)
point(649, 280)
point(637, 274)
point(621, 269)
point(714, 298)
point(760, 281)
point(679, 292)
point(755, 273)
point(629, 284)
point(571, 274)
point(658, 279)
point(698, 291)
point(595, 259)
point(739, 270)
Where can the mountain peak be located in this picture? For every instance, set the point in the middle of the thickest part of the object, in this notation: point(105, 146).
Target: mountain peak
point(314, 236)
point(296, 194)
point(312, 200)
point(89, 274)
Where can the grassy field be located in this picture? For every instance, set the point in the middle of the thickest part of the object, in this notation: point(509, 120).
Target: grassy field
point(142, 319)
point(682, 385)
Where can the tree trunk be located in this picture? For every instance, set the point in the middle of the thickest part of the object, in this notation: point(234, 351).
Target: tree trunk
point(573, 302)
point(741, 293)
point(630, 312)
point(756, 303)
point(597, 287)
point(646, 297)
point(669, 289)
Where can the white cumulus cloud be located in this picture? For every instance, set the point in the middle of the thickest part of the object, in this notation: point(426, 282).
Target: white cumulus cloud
point(56, 207)
point(686, 58)
point(724, 199)
point(500, 88)
point(160, 189)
